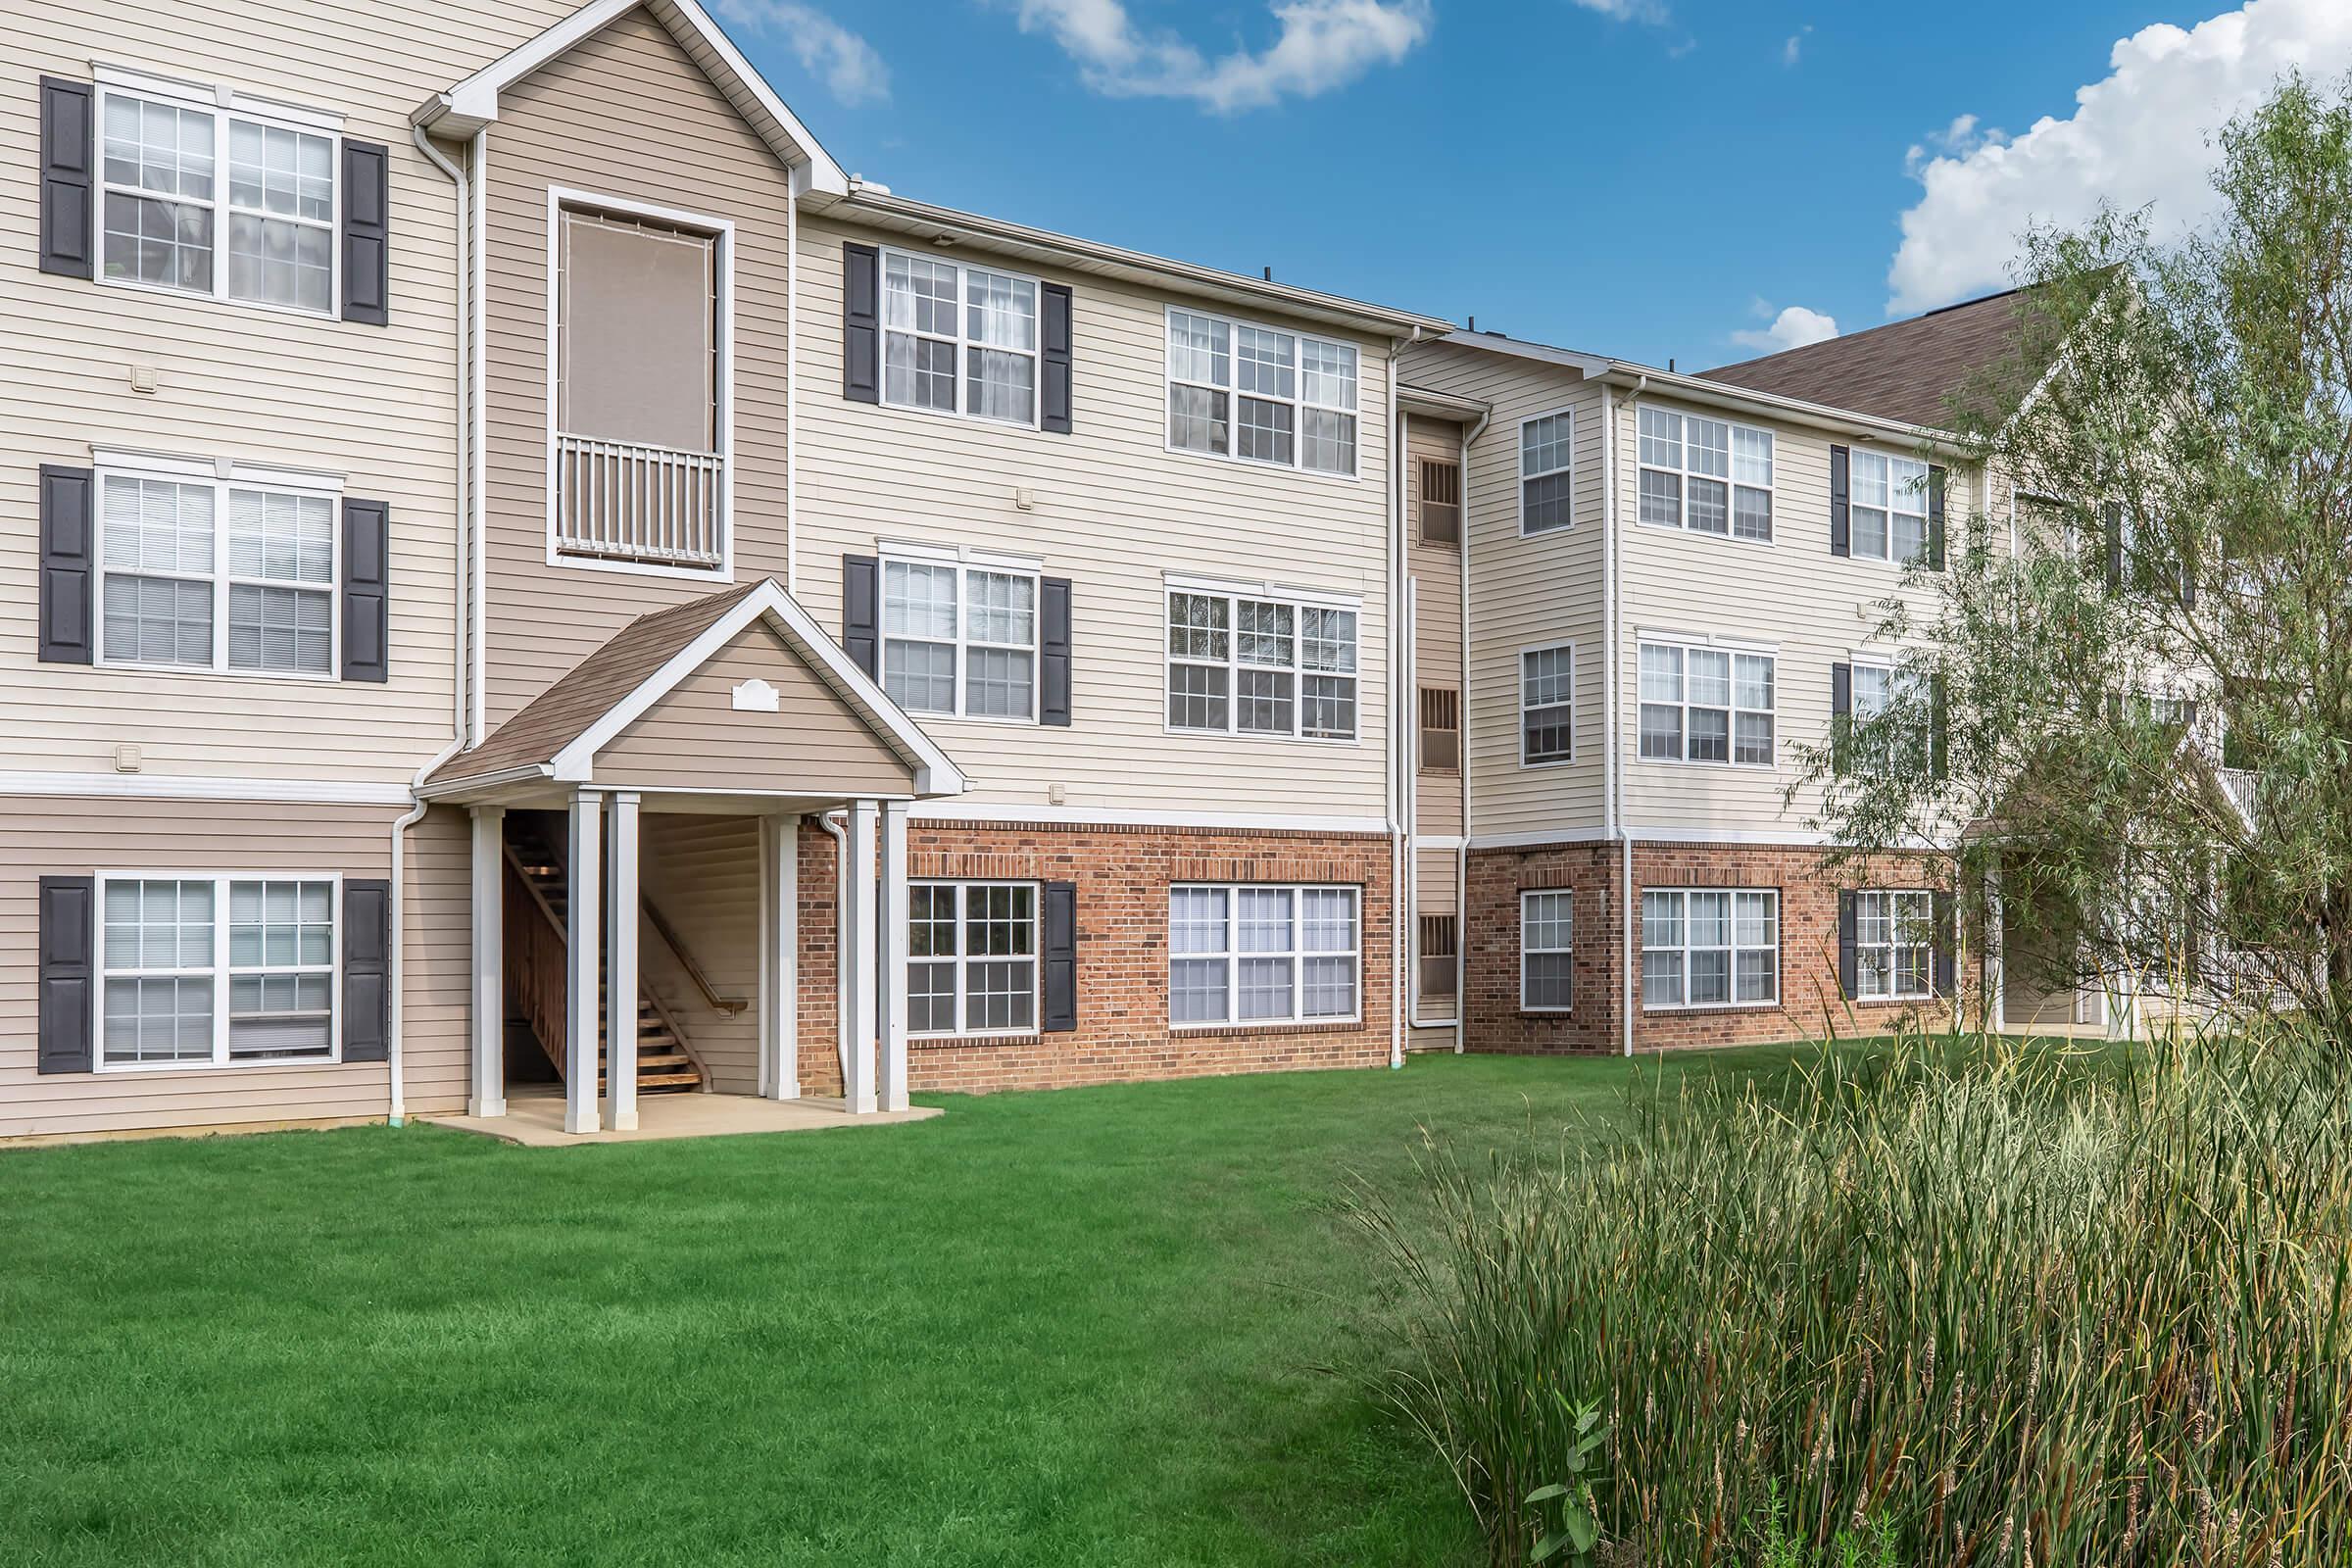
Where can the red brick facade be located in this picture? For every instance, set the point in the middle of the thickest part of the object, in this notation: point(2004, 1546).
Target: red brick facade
point(1122, 876)
point(1810, 1006)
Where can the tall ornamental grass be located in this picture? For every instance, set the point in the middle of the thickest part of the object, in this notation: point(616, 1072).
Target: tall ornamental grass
point(1996, 1307)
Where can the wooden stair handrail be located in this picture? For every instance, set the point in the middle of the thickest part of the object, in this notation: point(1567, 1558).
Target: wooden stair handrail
point(724, 1006)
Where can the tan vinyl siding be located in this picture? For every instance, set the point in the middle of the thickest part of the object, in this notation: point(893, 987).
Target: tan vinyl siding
point(1434, 881)
point(1436, 570)
point(626, 115)
point(376, 405)
point(81, 837)
point(1529, 591)
point(1818, 609)
point(1114, 510)
point(702, 874)
point(693, 737)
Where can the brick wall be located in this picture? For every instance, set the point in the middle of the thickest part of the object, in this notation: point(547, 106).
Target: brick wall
point(1810, 1006)
point(1122, 876)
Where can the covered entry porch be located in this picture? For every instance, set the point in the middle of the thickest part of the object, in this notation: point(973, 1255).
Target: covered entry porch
point(688, 858)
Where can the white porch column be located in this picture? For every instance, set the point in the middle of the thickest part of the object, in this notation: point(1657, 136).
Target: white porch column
point(486, 1082)
point(780, 957)
point(1993, 975)
point(582, 939)
point(892, 975)
point(858, 960)
point(620, 970)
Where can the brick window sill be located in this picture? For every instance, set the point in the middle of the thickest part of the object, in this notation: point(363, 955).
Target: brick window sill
point(1219, 1031)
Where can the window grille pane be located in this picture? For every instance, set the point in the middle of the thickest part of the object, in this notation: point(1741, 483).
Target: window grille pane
point(1751, 739)
point(1545, 502)
point(1661, 444)
point(1001, 385)
point(1871, 975)
point(288, 537)
point(1197, 626)
point(1710, 735)
point(165, 243)
point(1545, 920)
point(1910, 538)
point(1661, 978)
point(1544, 446)
point(1197, 919)
point(1874, 921)
point(1262, 702)
point(1329, 707)
point(1262, 634)
point(1264, 430)
point(1752, 682)
point(1758, 920)
point(157, 148)
point(1197, 697)
point(999, 995)
point(281, 923)
point(1662, 732)
point(1707, 445)
point(1661, 675)
point(1330, 441)
point(1710, 677)
point(158, 1020)
point(1544, 675)
point(1869, 532)
point(274, 261)
point(158, 620)
point(1711, 507)
point(1002, 311)
point(1758, 976)
point(1264, 925)
point(1266, 988)
point(919, 371)
point(1710, 977)
point(157, 525)
point(1751, 455)
point(287, 173)
point(278, 1015)
point(1751, 513)
point(1661, 498)
point(917, 601)
point(919, 677)
point(159, 925)
point(281, 630)
point(1329, 640)
point(1327, 373)
point(1003, 608)
point(1661, 919)
point(1327, 917)
point(930, 920)
point(1197, 420)
point(1197, 991)
point(1198, 349)
point(1551, 735)
point(1263, 363)
point(1545, 979)
point(998, 683)
point(1708, 916)
point(931, 997)
point(1329, 991)
point(1868, 477)
point(918, 295)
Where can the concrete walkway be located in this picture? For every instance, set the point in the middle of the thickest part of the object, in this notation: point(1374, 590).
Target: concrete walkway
point(534, 1118)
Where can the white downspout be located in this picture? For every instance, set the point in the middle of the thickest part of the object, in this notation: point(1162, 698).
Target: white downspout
point(1462, 853)
point(792, 380)
point(840, 938)
point(1400, 868)
point(398, 1108)
point(477, 252)
point(1613, 520)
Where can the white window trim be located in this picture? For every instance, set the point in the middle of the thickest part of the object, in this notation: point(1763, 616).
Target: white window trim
point(222, 105)
point(963, 562)
point(1732, 1005)
point(1232, 393)
point(884, 331)
point(722, 233)
point(1645, 639)
point(1569, 648)
point(220, 971)
point(1037, 960)
point(1522, 476)
point(220, 476)
point(1891, 947)
point(1524, 894)
point(1171, 585)
point(1682, 525)
point(1297, 954)
point(1926, 517)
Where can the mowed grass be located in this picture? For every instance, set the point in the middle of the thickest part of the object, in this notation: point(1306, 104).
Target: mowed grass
point(1084, 1327)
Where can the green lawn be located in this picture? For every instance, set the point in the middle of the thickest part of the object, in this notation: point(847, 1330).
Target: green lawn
point(1071, 1328)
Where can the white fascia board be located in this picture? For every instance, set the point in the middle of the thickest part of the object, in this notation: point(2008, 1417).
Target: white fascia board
point(206, 787)
point(1796, 411)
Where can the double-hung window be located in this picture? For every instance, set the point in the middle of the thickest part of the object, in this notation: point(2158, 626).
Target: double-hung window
point(1546, 951)
point(1890, 507)
point(1880, 690)
point(959, 639)
point(214, 971)
point(1546, 476)
point(200, 573)
point(1704, 476)
point(1895, 940)
point(204, 199)
point(1261, 394)
point(958, 338)
point(1710, 947)
point(1242, 665)
point(971, 958)
point(1251, 953)
point(1546, 705)
point(1706, 705)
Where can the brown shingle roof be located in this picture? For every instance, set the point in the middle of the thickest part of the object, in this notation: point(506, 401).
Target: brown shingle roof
point(1905, 371)
point(565, 711)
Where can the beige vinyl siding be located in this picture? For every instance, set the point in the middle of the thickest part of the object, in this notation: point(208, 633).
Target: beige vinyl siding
point(702, 874)
point(625, 114)
point(1114, 510)
point(81, 837)
point(1531, 591)
point(1433, 883)
point(1819, 610)
point(694, 738)
point(375, 405)
point(1437, 574)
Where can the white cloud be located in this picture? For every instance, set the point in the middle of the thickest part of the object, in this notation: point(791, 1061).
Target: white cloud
point(1793, 329)
point(853, 72)
point(1625, 10)
point(1793, 48)
point(2136, 138)
point(1319, 45)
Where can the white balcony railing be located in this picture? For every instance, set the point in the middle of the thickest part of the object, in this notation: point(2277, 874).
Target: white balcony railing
point(2239, 784)
point(622, 501)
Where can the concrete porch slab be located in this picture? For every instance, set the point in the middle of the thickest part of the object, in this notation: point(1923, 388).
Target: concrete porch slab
point(535, 1119)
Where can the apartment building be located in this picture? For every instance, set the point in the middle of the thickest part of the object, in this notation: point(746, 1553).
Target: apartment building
point(496, 516)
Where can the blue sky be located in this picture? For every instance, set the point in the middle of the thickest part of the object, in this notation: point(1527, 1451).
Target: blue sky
point(1643, 178)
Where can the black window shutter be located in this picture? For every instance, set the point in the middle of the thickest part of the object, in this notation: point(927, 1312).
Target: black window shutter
point(860, 323)
point(367, 232)
point(366, 968)
point(2111, 520)
point(66, 134)
point(1841, 501)
point(68, 498)
point(1060, 947)
point(367, 590)
point(861, 613)
point(1841, 712)
point(1934, 519)
point(1054, 652)
point(1935, 726)
point(68, 932)
point(1053, 357)
point(1849, 965)
point(1948, 947)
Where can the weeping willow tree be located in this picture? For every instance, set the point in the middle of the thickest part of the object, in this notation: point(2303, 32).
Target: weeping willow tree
point(2141, 649)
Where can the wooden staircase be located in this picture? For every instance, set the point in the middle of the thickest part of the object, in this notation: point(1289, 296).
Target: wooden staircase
point(538, 902)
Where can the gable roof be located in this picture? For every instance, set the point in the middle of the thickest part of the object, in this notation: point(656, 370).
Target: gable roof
point(473, 102)
point(1905, 371)
point(558, 733)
